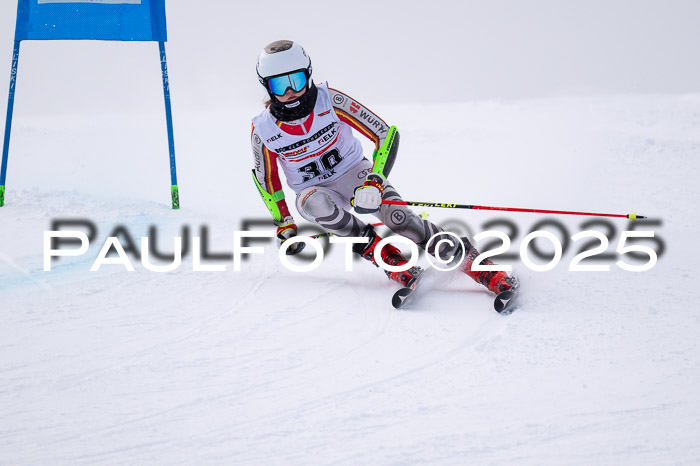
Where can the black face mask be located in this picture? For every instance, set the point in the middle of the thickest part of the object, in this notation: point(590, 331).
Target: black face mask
point(295, 109)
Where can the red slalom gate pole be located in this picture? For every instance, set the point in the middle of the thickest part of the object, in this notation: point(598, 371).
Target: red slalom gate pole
point(632, 216)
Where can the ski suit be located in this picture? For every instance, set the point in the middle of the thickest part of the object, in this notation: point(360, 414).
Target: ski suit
point(323, 163)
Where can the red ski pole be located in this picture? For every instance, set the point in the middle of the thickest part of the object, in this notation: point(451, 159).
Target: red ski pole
point(632, 216)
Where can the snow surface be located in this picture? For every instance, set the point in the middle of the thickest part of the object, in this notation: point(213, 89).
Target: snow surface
point(267, 366)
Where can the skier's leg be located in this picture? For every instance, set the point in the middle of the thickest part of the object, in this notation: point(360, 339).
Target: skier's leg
point(324, 206)
point(495, 281)
point(391, 255)
point(401, 220)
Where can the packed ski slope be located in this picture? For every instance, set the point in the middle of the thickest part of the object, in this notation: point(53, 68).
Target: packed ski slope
point(268, 366)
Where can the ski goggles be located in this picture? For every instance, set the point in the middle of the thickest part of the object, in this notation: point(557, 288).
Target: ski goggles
point(295, 81)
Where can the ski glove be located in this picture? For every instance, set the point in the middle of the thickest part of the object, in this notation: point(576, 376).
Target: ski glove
point(288, 229)
point(368, 197)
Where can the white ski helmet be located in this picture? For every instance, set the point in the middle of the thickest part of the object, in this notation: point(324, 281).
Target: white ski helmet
point(282, 57)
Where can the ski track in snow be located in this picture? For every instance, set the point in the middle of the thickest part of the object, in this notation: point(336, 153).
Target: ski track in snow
point(267, 366)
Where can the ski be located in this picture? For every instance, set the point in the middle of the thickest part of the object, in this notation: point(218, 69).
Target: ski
point(506, 302)
point(403, 296)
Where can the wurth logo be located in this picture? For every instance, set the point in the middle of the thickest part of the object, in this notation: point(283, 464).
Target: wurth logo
point(373, 121)
point(354, 107)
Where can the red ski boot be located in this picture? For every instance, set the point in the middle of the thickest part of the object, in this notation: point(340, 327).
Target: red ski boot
point(391, 256)
point(495, 281)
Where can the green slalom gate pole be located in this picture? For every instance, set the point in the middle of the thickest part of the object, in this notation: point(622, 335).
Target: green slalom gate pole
point(632, 216)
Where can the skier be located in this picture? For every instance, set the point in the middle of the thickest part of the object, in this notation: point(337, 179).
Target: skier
point(307, 128)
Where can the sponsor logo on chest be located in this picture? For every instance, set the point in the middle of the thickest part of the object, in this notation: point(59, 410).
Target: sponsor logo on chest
point(275, 137)
point(295, 152)
point(319, 139)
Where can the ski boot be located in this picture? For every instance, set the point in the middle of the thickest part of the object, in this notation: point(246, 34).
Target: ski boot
point(495, 281)
point(391, 255)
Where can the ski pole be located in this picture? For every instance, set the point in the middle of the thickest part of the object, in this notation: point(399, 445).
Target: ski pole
point(632, 216)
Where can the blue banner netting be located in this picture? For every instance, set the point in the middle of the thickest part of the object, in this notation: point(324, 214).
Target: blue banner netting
point(123, 20)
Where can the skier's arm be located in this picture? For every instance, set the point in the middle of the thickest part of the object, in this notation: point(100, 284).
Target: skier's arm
point(267, 180)
point(367, 123)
